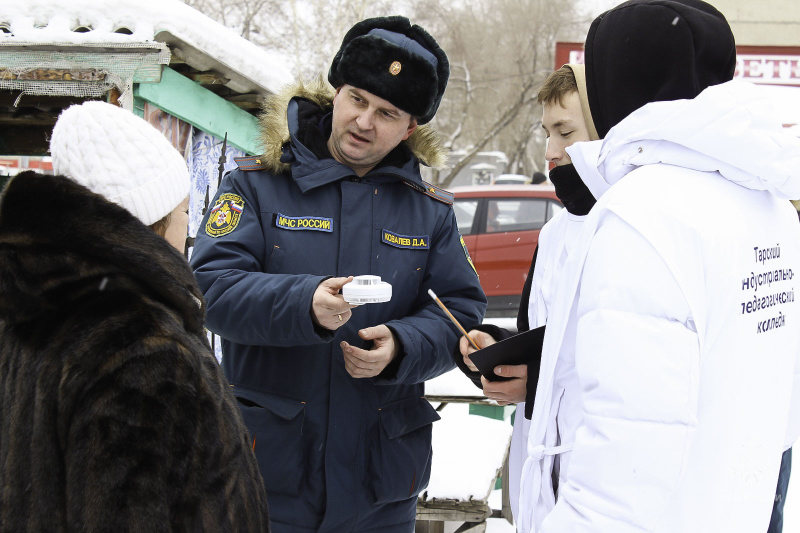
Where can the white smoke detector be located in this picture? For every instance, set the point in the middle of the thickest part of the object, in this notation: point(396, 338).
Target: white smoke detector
point(367, 290)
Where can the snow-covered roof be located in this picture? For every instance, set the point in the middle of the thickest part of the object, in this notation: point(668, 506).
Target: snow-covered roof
point(198, 40)
point(500, 156)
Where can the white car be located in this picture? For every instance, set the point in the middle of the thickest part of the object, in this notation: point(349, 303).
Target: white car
point(511, 179)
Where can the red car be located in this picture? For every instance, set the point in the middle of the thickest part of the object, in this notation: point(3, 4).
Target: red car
point(500, 225)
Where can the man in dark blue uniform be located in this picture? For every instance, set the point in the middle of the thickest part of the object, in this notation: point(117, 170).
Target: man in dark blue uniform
point(333, 395)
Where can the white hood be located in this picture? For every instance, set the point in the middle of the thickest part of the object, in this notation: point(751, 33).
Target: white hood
point(731, 128)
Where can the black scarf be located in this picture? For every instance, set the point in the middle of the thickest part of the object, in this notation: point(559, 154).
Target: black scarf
point(571, 190)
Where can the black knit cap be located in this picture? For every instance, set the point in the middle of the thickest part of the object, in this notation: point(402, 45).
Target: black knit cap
point(654, 50)
point(396, 61)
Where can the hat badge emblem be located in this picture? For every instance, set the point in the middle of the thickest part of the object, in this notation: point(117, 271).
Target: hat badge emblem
point(395, 68)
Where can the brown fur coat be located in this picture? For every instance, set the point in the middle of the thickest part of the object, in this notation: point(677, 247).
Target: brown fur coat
point(114, 415)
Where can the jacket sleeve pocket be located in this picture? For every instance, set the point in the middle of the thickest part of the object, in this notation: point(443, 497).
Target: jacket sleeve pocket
point(275, 424)
point(399, 463)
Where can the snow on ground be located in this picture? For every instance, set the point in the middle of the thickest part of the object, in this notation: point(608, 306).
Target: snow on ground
point(453, 383)
point(509, 323)
point(498, 525)
point(461, 439)
point(468, 450)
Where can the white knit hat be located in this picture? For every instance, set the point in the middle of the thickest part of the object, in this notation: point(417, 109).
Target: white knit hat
point(120, 156)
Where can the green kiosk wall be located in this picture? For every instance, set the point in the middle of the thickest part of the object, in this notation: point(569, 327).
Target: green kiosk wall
point(187, 100)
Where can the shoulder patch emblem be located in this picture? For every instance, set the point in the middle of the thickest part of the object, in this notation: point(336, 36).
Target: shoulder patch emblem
point(225, 215)
point(466, 253)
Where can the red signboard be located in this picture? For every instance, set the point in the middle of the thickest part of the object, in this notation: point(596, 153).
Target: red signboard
point(770, 65)
point(40, 164)
point(26, 162)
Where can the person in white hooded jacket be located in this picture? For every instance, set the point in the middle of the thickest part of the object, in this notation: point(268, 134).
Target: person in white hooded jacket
point(676, 306)
point(566, 120)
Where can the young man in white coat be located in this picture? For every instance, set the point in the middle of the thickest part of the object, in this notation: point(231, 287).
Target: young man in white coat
point(566, 120)
point(678, 294)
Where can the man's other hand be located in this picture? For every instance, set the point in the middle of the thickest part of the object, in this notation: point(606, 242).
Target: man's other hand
point(369, 363)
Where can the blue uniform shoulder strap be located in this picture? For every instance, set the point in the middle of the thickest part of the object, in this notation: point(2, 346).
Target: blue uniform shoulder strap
point(437, 193)
point(253, 162)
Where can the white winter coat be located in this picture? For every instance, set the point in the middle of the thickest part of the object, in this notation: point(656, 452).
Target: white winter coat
point(679, 298)
point(554, 249)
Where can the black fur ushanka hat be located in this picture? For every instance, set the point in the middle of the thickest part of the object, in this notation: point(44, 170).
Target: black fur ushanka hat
point(396, 61)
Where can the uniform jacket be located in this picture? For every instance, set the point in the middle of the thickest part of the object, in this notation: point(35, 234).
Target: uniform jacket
point(681, 302)
point(114, 414)
point(336, 453)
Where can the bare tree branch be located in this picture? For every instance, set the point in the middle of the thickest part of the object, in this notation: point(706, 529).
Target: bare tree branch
point(464, 110)
point(510, 114)
point(500, 51)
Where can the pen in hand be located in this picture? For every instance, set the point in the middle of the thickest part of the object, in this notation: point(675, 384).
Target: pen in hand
point(452, 318)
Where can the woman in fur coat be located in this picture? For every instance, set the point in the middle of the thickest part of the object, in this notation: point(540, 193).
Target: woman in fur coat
point(114, 414)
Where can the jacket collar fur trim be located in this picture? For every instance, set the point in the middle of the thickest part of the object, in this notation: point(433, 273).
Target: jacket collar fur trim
point(424, 143)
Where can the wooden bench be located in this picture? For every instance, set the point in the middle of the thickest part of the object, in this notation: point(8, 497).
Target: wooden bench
point(469, 453)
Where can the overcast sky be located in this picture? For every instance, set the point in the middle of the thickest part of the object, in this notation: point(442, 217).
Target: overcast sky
point(595, 7)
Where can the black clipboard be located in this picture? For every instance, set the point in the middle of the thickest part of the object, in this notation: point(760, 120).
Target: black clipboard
point(519, 349)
